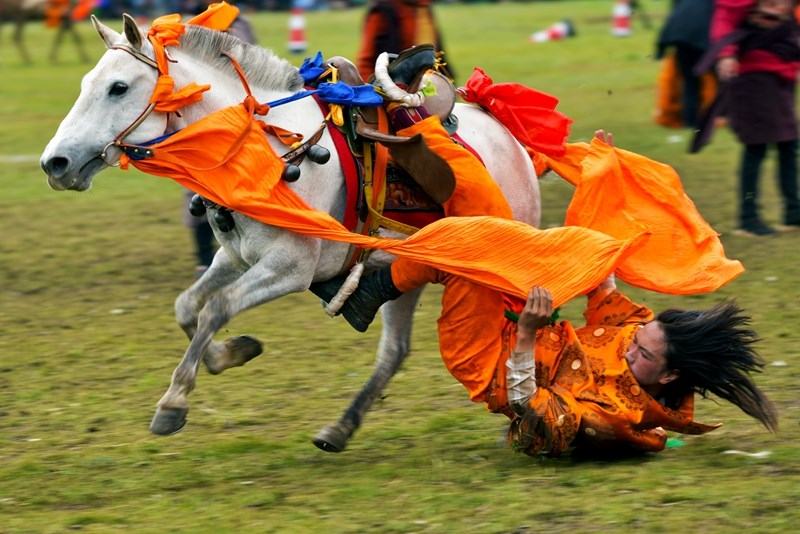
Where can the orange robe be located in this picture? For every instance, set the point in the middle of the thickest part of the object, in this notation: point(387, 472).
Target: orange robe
point(587, 394)
point(57, 10)
point(582, 374)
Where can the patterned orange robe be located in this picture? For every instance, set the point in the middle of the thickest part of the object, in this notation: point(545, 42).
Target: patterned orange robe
point(584, 381)
point(587, 394)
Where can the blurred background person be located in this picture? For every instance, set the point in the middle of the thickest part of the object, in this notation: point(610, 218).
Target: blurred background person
point(683, 40)
point(393, 26)
point(62, 15)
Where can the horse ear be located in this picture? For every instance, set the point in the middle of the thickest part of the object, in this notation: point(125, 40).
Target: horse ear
point(132, 31)
point(108, 35)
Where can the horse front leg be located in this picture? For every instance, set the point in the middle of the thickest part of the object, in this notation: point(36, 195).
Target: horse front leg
point(219, 355)
point(261, 283)
point(393, 348)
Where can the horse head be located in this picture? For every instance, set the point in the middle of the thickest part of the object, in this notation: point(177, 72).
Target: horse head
point(114, 95)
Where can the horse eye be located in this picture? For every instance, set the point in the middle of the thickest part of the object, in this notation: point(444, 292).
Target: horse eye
point(118, 89)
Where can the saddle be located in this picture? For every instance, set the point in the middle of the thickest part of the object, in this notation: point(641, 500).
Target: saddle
point(413, 69)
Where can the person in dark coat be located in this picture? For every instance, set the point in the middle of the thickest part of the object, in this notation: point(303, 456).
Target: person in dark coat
point(686, 31)
point(393, 26)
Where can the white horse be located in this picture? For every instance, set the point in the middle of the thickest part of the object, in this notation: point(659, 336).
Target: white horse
point(257, 263)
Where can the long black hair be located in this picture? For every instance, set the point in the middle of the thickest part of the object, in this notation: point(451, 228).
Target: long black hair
point(714, 352)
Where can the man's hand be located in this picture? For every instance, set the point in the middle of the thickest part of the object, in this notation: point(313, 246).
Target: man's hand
point(607, 138)
point(536, 314)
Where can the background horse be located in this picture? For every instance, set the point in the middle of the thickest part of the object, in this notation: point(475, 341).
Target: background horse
point(256, 263)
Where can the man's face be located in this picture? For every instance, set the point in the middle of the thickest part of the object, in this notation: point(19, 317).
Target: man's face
point(646, 356)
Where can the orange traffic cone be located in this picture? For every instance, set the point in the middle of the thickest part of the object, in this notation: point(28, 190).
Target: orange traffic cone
point(297, 31)
point(621, 25)
point(559, 30)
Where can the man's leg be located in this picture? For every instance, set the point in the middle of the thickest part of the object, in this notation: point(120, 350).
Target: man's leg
point(752, 157)
point(475, 192)
point(470, 324)
point(787, 178)
point(377, 288)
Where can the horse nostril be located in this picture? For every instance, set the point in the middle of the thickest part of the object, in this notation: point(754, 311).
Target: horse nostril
point(56, 166)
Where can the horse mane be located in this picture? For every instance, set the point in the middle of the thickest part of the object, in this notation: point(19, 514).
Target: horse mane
point(262, 68)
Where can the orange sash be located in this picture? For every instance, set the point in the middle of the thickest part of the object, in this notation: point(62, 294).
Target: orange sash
point(226, 158)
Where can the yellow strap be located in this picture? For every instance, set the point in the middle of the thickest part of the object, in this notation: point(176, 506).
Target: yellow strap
point(375, 203)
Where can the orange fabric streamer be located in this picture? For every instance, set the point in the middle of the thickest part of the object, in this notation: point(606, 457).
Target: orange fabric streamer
point(167, 31)
point(618, 193)
point(218, 16)
point(225, 158)
point(637, 222)
point(167, 99)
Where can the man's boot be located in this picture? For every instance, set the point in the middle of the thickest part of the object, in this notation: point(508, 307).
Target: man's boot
point(374, 290)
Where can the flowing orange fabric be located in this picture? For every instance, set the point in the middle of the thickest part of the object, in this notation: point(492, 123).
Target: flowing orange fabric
point(618, 193)
point(218, 16)
point(225, 158)
point(528, 114)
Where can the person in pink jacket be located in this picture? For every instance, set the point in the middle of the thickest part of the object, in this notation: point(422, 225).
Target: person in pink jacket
point(758, 57)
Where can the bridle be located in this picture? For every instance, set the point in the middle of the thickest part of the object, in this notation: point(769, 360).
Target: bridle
point(135, 150)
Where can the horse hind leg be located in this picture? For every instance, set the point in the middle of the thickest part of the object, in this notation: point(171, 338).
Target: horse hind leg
point(394, 346)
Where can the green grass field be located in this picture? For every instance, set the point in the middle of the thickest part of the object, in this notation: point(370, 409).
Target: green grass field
point(88, 340)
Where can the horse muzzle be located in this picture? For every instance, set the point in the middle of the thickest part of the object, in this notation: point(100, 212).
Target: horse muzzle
point(62, 174)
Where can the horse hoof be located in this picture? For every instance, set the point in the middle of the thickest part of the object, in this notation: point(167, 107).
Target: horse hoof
point(331, 439)
point(244, 347)
point(168, 421)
